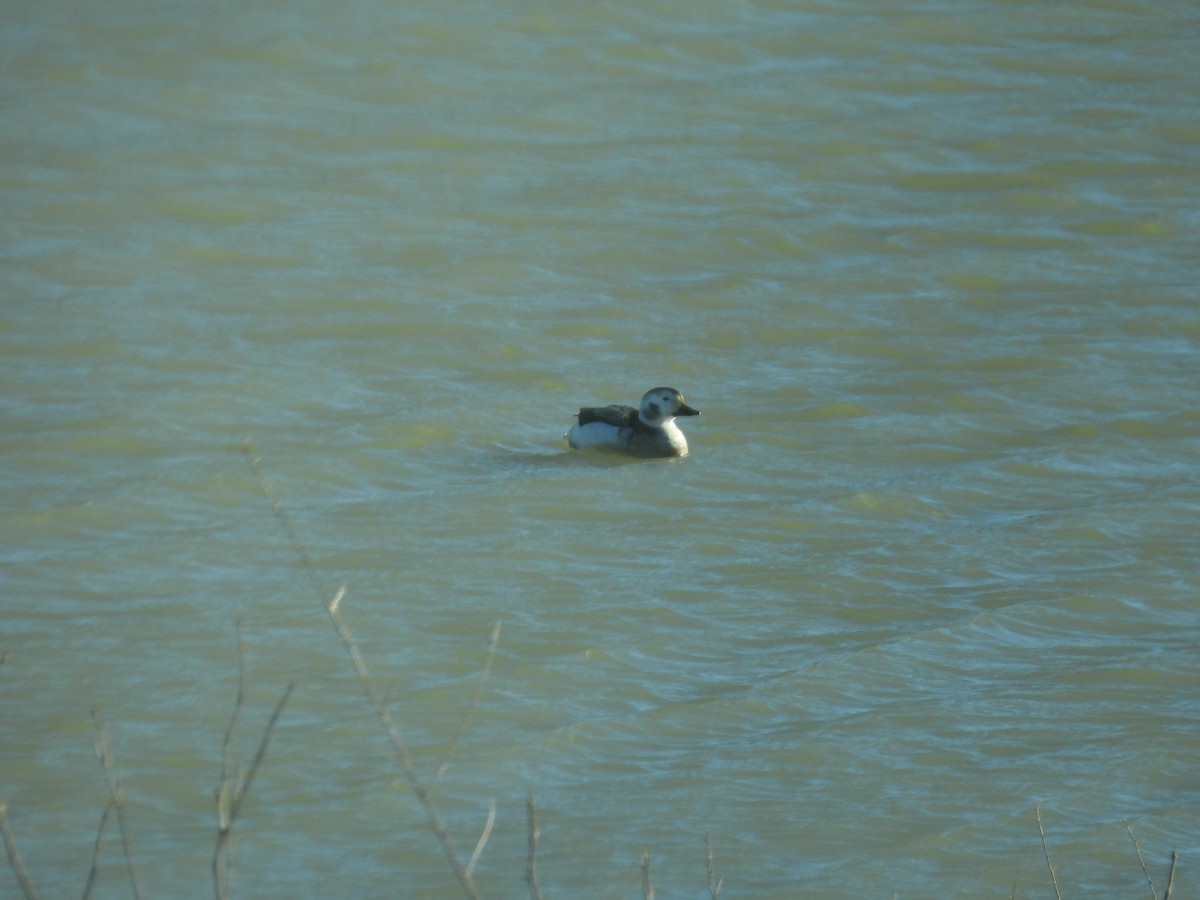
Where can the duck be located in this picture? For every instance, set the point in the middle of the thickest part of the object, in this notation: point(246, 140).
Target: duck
point(647, 431)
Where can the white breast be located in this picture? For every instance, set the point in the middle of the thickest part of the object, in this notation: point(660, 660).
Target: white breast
point(594, 434)
point(675, 435)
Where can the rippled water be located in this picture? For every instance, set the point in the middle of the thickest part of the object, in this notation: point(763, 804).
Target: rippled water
point(928, 269)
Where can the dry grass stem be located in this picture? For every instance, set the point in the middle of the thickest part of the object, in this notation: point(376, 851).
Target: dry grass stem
point(714, 883)
point(233, 788)
point(104, 754)
point(404, 760)
point(535, 892)
point(97, 845)
point(400, 750)
point(483, 838)
point(474, 701)
point(647, 887)
point(14, 858)
point(1037, 812)
point(1171, 875)
point(1141, 859)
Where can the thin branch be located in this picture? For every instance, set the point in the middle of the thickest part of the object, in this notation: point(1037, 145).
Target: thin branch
point(226, 786)
point(1171, 875)
point(104, 754)
point(405, 761)
point(261, 753)
point(1037, 812)
point(1138, 850)
point(647, 888)
point(232, 790)
point(462, 726)
point(239, 701)
point(399, 749)
point(94, 871)
point(535, 892)
point(714, 883)
point(483, 838)
point(14, 858)
point(286, 523)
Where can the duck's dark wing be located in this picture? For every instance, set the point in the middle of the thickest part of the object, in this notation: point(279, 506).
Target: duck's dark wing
point(619, 416)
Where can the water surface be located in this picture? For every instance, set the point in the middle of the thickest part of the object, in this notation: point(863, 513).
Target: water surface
point(928, 269)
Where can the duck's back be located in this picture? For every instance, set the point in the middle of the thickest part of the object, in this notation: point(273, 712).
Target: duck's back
point(615, 415)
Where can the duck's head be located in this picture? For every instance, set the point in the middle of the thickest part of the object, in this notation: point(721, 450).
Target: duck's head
point(662, 404)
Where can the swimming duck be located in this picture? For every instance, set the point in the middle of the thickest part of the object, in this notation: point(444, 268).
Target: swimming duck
point(649, 430)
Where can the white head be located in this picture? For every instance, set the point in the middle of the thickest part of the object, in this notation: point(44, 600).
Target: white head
point(662, 404)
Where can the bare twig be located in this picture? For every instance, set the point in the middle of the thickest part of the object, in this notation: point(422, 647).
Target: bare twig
point(104, 754)
point(474, 701)
point(232, 789)
point(14, 858)
point(647, 888)
point(239, 701)
point(1037, 812)
point(535, 892)
point(400, 750)
point(226, 786)
point(261, 752)
point(404, 758)
point(714, 883)
point(483, 838)
point(1171, 875)
point(1138, 850)
point(94, 871)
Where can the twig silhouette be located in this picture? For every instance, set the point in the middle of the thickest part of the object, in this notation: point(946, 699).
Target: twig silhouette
point(483, 838)
point(14, 858)
point(714, 883)
point(1037, 812)
point(474, 701)
point(535, 892)
point(97, 845)
point(1141, 859)
point(400, 750)
point(232, 789)
point(104, 754)
point(1146, 871)
point(647, 888)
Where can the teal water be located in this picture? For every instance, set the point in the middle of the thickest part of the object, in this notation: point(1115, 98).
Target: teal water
point(928, 269)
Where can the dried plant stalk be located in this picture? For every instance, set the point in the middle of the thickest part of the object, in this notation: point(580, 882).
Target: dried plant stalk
point(1138, 850)
point(94, 871)
point(104, 754)
point(232, 789)
point(14, 858)
point(647, 887)
point(400, 751)
point(714, 883)
point(1037, 812)
point(535, 892)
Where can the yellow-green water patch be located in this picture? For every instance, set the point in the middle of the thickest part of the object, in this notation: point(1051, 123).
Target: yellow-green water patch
point(832, 411)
